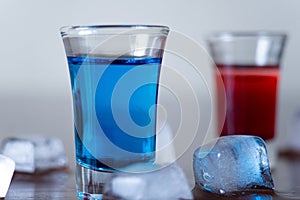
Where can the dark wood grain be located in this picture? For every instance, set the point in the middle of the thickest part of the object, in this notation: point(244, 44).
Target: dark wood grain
point(53, 185)
point(61, 185)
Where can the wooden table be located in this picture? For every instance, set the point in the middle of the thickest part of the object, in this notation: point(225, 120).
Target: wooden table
point(55, 185)
point(61, 184)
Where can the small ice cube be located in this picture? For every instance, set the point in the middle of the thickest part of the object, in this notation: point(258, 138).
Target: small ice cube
point(35, 155)
point(7, 168)
point(168, 183)
point(231, 164)
point(22, 152)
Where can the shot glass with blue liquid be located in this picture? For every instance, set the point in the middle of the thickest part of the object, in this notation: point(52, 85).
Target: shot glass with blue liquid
point(114, 73)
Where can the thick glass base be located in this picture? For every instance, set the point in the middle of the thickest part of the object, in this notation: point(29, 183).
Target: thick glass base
point(90, 183)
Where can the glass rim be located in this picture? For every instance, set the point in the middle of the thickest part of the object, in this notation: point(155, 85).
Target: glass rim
point(246, 34)
point(118, 28)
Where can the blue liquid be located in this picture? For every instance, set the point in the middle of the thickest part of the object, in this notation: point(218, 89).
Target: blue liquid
point(114, 110)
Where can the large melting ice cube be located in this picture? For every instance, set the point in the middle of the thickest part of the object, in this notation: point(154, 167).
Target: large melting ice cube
point(168, 183)
point(35, 155)
point(7, 168)
point(232, 164)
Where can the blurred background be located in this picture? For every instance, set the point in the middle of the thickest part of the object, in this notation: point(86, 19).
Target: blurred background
point(35, 97)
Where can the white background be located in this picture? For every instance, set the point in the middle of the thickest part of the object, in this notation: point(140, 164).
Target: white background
point(34, 87)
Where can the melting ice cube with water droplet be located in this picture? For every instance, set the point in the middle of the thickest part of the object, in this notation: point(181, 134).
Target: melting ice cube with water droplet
point(7, 168)
point(231, 164)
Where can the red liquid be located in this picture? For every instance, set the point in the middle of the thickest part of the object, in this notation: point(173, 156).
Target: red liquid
point(250, 100)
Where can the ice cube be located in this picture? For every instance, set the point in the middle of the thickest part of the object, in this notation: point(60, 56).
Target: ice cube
point(22, 152)
point(7, 168)
point(231, 164)
point(167, 183)
point(35, 155)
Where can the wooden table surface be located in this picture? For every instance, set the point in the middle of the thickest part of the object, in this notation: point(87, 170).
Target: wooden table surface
point(61, 184)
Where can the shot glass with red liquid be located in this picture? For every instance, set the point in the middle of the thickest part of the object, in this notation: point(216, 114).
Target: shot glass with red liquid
point(248, 69)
